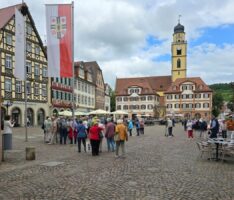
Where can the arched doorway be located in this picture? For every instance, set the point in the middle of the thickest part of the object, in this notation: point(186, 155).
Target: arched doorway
point(30, 118)
point(197, 116)
point(40, 117)
point(16, 116)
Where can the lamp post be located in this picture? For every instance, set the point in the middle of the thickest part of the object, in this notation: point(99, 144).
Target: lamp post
point(7, 104)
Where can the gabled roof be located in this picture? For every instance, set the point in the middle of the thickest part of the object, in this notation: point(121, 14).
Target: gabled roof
point(94, 67)
point(200, 85)
point(149, 85)
point(7, 13)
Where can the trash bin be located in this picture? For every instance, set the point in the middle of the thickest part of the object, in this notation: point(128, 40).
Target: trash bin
point(7, 141)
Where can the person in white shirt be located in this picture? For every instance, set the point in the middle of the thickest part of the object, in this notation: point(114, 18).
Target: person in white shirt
point(7, 132)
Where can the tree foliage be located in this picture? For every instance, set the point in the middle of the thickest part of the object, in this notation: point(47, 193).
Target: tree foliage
point(226, 89)
point(217, 103)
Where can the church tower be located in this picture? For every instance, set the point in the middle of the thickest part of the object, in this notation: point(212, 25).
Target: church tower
point(179, 53)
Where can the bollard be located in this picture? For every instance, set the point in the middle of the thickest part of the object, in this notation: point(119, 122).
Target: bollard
point(30, 153)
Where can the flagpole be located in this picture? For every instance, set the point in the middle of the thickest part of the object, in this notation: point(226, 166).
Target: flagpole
point(73, 77)
point(25, 85)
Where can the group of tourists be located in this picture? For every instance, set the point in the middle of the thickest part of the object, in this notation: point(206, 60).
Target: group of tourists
point(90, 132)
point(203, 129)
point(211, 129)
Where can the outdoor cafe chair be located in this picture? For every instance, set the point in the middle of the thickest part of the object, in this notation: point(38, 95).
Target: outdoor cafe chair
point(204, 149)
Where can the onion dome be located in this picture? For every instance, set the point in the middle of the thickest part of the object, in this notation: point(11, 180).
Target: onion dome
point(179, 28)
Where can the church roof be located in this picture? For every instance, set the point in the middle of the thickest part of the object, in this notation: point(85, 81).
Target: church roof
point(149, 85)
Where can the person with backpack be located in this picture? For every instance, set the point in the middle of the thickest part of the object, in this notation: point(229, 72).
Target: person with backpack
point(130, 127)
point(63, 130)
point(81, 135)
point(138, 127)
point(109, 135)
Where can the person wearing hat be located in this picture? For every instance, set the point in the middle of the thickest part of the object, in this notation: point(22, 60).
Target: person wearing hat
point(121, 131)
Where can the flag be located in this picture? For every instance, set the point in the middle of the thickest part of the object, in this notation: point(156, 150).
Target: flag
point(19, 46)
point(59, 40)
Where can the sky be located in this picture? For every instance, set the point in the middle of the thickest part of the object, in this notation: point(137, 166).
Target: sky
point(131, 38)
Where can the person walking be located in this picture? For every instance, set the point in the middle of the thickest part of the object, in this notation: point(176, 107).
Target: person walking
point(63, 130)
point(142, 127)
point(94, 137)
point(81, 135)
point(130, 127)
point(53, 131)
point(121, 132)
point(169, 127)
point(138, 127)
point(109, 135)
point(48, 127)
point(189, 128)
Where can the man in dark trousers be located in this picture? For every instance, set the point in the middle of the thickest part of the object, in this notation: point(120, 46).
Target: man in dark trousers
point(214, 127)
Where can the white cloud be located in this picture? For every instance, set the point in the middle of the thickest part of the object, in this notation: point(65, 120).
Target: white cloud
point(113, 33)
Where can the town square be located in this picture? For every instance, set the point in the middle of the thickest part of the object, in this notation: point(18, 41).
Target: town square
point(115, 99)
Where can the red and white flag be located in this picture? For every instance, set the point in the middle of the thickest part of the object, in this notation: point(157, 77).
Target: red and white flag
point(19, 46)
point(59, 40)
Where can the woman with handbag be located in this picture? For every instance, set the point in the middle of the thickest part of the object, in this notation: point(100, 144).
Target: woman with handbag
point(94, 136)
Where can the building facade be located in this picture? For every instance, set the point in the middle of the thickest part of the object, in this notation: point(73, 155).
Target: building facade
point(98, 80)
point(61, 95)
point(84, 88)
point(107, 97)
point(190, 97)
point(178, 94)
point(136, 97)
point(37, 84)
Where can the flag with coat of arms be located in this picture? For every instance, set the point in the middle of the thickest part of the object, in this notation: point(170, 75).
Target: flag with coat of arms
point(59, 40)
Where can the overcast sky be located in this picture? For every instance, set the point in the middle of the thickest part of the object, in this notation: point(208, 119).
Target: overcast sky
point(131, 38)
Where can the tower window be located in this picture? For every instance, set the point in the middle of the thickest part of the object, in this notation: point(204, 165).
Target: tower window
point(178, 51)
point(178, 63)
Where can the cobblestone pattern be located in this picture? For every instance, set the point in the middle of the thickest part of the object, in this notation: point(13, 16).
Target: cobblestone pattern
point(156, 167)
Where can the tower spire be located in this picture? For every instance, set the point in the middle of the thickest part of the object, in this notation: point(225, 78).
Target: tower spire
point(179, 18)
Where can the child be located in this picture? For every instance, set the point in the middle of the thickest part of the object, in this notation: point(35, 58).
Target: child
point(190, 128)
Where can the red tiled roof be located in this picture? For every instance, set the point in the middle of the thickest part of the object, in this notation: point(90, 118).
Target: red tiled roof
point(149, 85)
point(200, 85)
point(7, 13)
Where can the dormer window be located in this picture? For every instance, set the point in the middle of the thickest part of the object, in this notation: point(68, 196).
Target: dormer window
point(174, 88)
point(201, 87)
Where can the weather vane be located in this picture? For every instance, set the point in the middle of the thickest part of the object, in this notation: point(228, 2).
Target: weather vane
point(179, 18)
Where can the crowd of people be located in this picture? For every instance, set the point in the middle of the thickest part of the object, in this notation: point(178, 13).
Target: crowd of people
point(91, 132)
point(204, 129)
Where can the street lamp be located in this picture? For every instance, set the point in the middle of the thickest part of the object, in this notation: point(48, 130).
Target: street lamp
point(7, 104)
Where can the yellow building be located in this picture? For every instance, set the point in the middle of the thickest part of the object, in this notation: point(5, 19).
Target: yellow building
point(178, 94)
point(179, 53)
point(12, 89)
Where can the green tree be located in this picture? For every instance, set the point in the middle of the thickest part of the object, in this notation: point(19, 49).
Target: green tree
point(112, 100)
point(217, 103)
point(230, 104)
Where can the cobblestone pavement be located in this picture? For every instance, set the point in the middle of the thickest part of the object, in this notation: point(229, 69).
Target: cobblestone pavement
point(155, 167)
